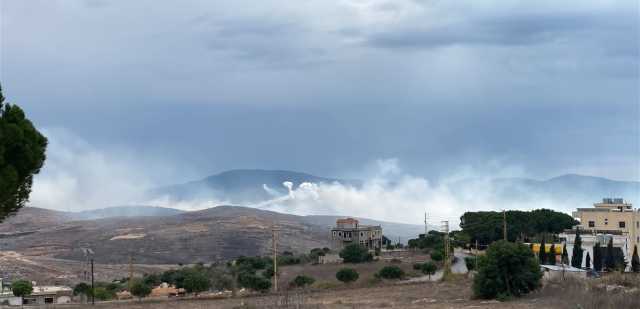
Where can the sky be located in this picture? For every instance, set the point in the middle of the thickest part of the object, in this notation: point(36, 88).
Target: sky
point(154, 93)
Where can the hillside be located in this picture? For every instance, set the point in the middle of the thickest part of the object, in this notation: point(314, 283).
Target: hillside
point(202, 236)
point(241, 187)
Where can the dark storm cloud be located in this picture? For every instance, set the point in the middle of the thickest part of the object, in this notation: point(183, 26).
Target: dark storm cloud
point(324, 86)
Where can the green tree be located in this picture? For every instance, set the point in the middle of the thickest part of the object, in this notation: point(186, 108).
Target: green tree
point(635, 260)
point(355, 253)
point(552, 255)
point(609, 261)
point(437, 255)
point(254, 282)
point(507, 269)
point(22, 154)
point(429, 269)
point(390, 272)
point(587, 262)
point(597, 257)
point(140, 289)
point(470, 262)
point(21, 288)
point(301, 281)
point(542, 253)
point(347, 275)
point(196, 282)
point(101, 293)
point(576, 256)
point(82, 289)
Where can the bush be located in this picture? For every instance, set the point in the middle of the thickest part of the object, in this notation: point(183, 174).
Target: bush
point(417, 266)
point(390, 272)
point(507, 269)
point(253, 282)
point(347, 275)
point(82, 289)
point(428, 268)
point(302, 281)
point(470, 261)
point(355, 254)
point(102, 293)
point(140, 289)
point(437, 256)
point(196, 282)
point(22, 288)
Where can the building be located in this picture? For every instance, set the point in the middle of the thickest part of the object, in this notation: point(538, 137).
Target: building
point(350, 231)
point(612, 219)
point(41, 295)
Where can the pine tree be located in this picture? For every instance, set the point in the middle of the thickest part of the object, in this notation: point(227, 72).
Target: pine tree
point(552, 255)
point(635, 260)
point(597, 257)
point(588, 261)
point(542, 253)
point(576, 256)
point(565, 256)
point(609, 261)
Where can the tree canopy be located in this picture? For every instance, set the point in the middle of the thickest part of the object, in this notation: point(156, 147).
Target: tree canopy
point(507, 269)
point(21, 288)
point(22, 154)
point(486, 226)
point(355, 253)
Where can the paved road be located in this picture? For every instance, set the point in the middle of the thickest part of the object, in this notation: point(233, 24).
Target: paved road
point(459, 267)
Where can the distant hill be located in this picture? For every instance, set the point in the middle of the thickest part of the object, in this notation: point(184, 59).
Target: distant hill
point(564, 193)
point(125, 211)
point(242, 186)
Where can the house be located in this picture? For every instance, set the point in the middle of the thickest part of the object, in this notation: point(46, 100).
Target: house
point(350, 231)
point(613, 219)
point(550, 272)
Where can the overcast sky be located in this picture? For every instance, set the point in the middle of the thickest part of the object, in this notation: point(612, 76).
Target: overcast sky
point(537, 88)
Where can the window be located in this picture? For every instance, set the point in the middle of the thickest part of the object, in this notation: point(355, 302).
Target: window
point(638, 224)
point(592, 224)
point(621, 224)
point(606, 221)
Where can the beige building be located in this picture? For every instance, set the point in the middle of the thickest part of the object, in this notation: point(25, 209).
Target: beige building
point(612, 214)
point(350, 231)
point(612, 219)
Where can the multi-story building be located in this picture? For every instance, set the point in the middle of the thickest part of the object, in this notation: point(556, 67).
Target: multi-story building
point(350, 231)
point(612, 219)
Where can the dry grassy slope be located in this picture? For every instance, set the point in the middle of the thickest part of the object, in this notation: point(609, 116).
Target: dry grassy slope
point(203, 236)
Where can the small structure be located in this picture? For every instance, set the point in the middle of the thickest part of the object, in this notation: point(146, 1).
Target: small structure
point(43, 295)
point(562, 271)
point(166, 290)
point(329, 258)
point(349, 231)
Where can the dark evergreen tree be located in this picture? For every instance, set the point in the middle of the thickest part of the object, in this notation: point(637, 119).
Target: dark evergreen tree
point(576, 256)
point(635, 260)
point(542, 254)
point(597, 257)
point(22, 154)
point(587, 262)
point(565, 255)
point(610, 261)
point(551, 257)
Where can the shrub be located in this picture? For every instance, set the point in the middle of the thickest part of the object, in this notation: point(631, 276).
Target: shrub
point(253, 282)
point(417, 266)
point(437, 256)
point(347, 275)
point(102, 293)
point(302, 281)
point(355, 253)
point(82, 289)
point(507, 269)
point(196, 282)
point(21, 288)
point(390, 272)
point(470, 262)
point(428, 268)
point(140, 289)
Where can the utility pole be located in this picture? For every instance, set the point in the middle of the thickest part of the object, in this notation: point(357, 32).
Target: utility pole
point(476, 259)
point(447, 261)
point(274, 240)
point(426, 229)
point(504, 224)
point(93, 297)
point(130, 283)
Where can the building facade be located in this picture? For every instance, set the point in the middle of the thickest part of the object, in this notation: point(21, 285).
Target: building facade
point(350, 231)
point(612, 219)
